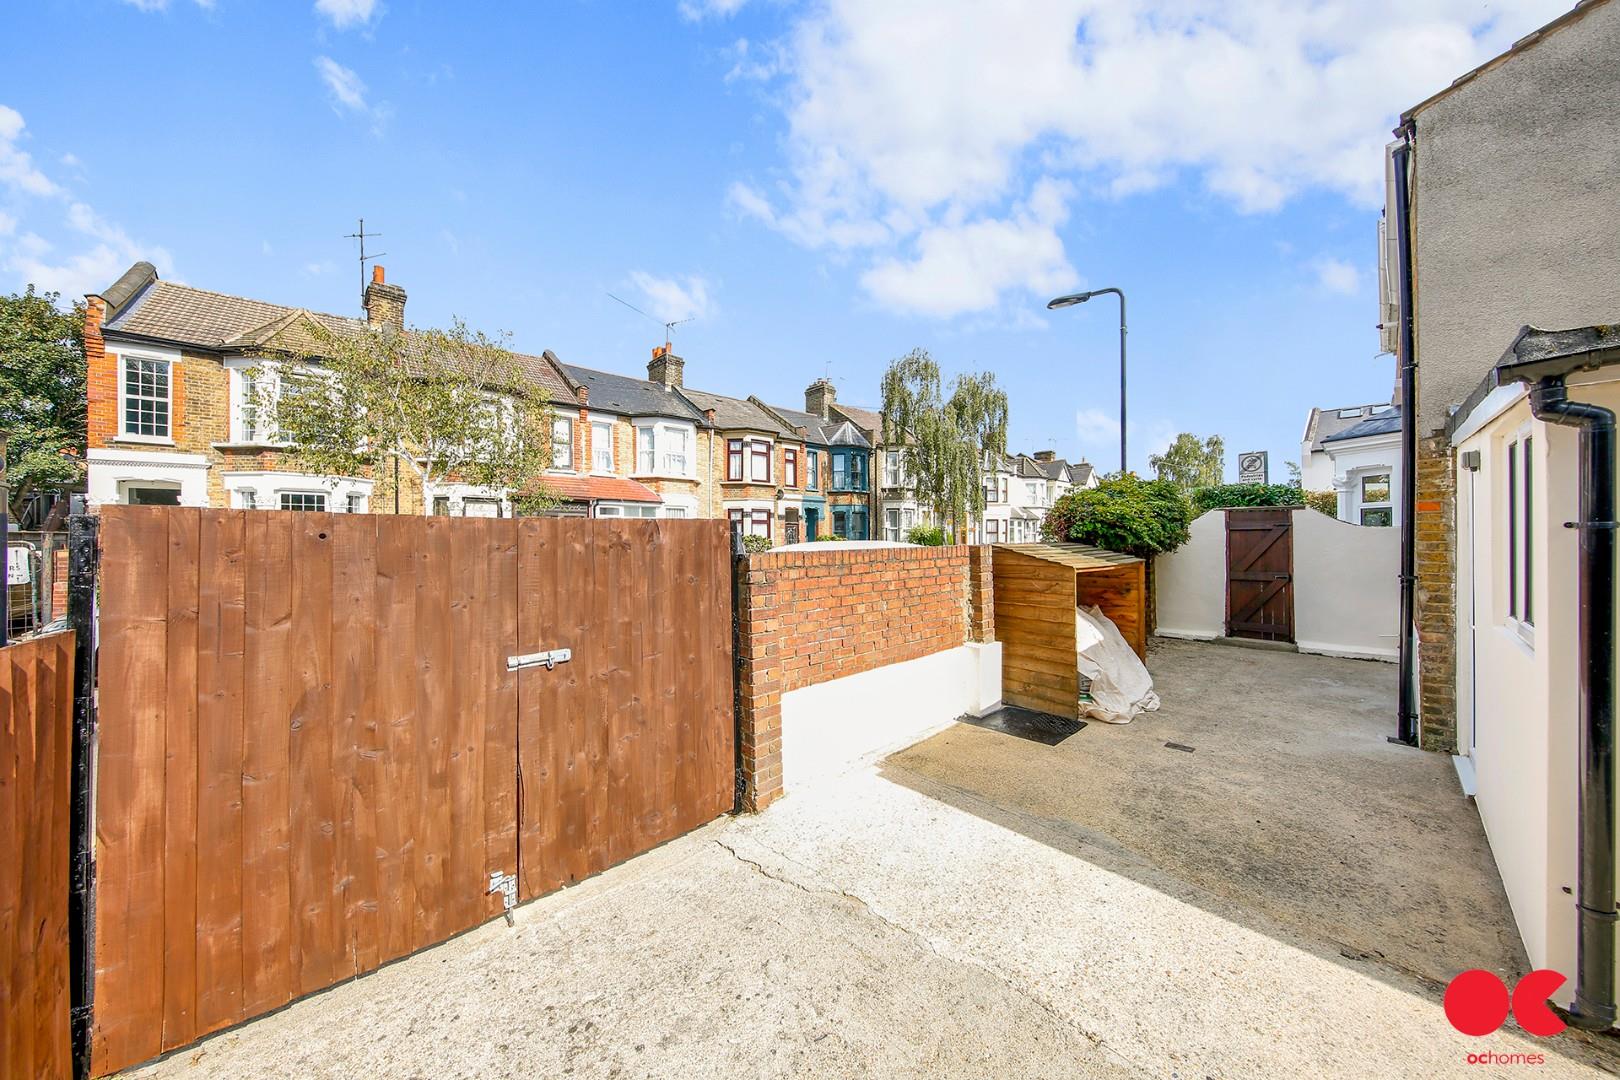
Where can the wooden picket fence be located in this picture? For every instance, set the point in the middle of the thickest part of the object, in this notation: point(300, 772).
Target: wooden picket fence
point(313, 757)
point(36, 733)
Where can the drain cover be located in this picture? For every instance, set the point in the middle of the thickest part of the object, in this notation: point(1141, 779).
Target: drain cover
point(1179, 746)
point(1027, 724)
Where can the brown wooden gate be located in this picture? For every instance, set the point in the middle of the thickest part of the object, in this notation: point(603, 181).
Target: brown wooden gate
point(313, 757)
point(1260, 574)
point(36, 736)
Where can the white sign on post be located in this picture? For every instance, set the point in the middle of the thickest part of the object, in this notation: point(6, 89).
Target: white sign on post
point(18, 569)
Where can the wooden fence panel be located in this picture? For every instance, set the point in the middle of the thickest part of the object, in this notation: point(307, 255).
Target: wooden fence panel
point(36, 737)
point(630, 743)
point(297, 716)
point(313, 756)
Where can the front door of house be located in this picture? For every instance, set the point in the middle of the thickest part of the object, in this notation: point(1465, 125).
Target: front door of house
point(1260, 574)
point(812, 518)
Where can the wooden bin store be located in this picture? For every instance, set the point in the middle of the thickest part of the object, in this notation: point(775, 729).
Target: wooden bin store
point(1037, 588)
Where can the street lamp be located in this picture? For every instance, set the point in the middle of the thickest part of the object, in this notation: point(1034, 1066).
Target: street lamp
point(1080, 298)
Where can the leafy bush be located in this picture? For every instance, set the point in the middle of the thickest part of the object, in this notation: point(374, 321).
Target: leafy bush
point(1326, 502)
point(926, 535)
point(1224, 495)
point(754, 545)
point(1123, 513)
point(831, 536)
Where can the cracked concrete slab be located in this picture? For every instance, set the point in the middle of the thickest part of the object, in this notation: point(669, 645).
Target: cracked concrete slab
point(686, 961)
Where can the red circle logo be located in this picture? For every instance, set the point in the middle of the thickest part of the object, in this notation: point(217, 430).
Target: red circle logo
point(1476, 1002)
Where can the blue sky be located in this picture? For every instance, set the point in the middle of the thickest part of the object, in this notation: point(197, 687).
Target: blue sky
point(819, 187)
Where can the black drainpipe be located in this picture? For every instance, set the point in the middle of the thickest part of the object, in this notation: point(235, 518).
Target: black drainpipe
point(1406, 724)
point(1594, 933)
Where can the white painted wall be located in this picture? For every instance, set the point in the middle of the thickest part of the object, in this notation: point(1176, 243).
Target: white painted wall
point(1353, 459)
point(1346, 587)
point(1516, 685)
point(1347, 592)
point(832, 727)
point(1191, 582)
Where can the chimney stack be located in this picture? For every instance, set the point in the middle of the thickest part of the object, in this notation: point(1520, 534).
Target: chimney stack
point(385, 304)
point(666, 369)
point(819, 397)
point(1044, 456)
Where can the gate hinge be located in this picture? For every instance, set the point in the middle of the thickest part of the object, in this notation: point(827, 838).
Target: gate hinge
point(506, 885)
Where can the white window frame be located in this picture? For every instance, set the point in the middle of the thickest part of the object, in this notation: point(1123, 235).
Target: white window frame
point(168, 357)
point(262, 489)
point(633, 511)
point(573, 435)
point(600, 426)
point(893, 471)
point(1519, 483)
point(662, 435)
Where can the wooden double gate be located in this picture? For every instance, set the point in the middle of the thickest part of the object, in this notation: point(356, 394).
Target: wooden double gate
point(313, 757)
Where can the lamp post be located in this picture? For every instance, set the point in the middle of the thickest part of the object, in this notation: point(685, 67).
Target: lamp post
point(1080, 298)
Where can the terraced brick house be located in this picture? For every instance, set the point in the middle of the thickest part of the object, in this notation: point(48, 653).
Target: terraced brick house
point(758, 471)
point(172, 402)
point(815, 433)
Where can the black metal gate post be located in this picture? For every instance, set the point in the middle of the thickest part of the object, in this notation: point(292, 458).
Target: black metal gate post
point(739, 588)
point(83, 561)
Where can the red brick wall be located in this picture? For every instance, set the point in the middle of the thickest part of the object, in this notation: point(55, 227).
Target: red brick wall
point(808, 617)
point(101, 391)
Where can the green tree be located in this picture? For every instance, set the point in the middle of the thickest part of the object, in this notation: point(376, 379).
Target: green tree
point(1122, 513)
point(1188, 463)
point(42, 394)
point(943, 441)
point(444, 405)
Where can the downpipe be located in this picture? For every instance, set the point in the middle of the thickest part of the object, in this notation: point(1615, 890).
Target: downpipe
point(1406, 694)
point(1594, 935)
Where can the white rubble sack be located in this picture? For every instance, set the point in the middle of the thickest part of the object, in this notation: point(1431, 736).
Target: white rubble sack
point(1120, 684)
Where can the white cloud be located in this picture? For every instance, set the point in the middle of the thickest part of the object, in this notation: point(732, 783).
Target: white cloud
point(17, 169)
point(912, 116)
point(346, 13)
point(1337, 276)
point(673, 299)
point(348, 92)
point(698, 10)
point(1098, 433)
point(162, 5)
point(98, 250)
point(967, 267)
point(318, 269)
point(751, 63)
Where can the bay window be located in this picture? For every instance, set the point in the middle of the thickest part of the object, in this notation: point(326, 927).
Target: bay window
point(663, 450)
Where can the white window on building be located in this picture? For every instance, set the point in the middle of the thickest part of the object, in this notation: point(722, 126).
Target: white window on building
point(891, 524)
point(675, 511)
point(354, 503)
point(1376, 505)
point(891, 469)
point(303, 500)
point(146, 397)
point(751, 522)
point(1520, 537)
point(626, 510)
point(481, 508)
point(663, 450)
point(562, 443)
point(602, 446)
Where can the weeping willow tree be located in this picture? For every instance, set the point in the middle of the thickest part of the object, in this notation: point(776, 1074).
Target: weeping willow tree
point(943, 440)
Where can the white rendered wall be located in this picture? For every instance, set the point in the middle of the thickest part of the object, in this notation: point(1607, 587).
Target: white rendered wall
point(832, 727)
point(1346, 585)
point(1347, 590)
point(1191, 582)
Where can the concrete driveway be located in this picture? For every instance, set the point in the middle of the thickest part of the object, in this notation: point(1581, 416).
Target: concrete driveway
point(940, 916)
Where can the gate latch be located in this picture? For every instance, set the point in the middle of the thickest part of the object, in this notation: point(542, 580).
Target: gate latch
point(548, 659)
point(506, 885)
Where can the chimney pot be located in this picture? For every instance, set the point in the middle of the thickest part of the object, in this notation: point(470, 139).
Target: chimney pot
point(377, 273)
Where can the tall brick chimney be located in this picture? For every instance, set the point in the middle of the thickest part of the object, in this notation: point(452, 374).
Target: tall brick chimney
point(665, 368)
point(385, 303)
point(818, 398)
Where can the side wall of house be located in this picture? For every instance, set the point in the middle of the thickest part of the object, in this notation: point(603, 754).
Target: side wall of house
point(811, 618)
point(1512, 170)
